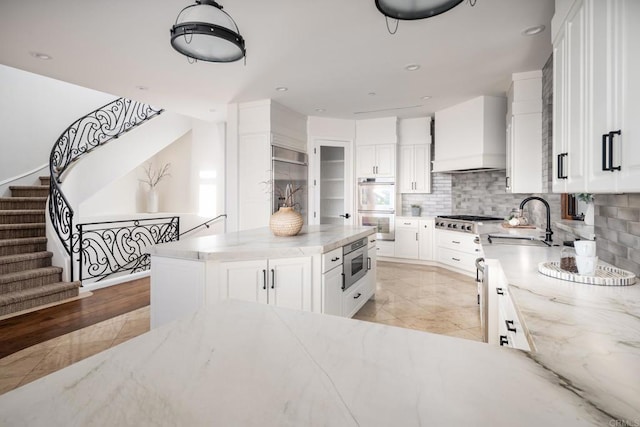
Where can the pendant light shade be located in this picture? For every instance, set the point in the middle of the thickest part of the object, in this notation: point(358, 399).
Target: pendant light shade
point(205, 32)
point(415, 9)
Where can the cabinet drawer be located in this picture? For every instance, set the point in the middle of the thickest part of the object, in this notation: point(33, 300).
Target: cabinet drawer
point(355, 297)
point(372, 242)
point(407, 223)
point(461, 260)
point(385, 248)
point(469, 243)
point(331, 259)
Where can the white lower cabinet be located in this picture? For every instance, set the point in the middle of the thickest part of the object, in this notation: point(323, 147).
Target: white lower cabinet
point(283, 282)
point(505, 326)
point(332, 291)
point(385, 248)
point(425, 250)
point(458, 249)
point(407, 238)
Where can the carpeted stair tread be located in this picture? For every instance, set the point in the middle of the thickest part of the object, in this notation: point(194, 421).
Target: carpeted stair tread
point(28, 187)
point(22, 241)
point(23, 226)
point(28, 298)
point(25, 261)
point(29, 274)
point(6, 259)
point(17, 231)
point(21, 216)
point(12, 203)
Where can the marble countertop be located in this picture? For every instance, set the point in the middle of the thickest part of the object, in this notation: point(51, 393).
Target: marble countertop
point(261, 243)
point(245, 364)
point(587, 336)
point(577, 228)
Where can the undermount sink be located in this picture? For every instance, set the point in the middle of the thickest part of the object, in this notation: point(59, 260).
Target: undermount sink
point(503, 239)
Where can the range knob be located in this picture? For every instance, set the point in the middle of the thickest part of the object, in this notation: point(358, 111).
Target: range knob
point(455, 225)
point(468, 228)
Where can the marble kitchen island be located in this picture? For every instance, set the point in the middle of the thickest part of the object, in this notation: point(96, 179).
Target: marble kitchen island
point(236, 363)
point(303, 272)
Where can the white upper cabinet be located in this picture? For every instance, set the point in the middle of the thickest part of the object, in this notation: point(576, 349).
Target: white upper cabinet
point(376, 147)
point(414, 169)
point(471, 135)
point(596, 139)
point(524, 133)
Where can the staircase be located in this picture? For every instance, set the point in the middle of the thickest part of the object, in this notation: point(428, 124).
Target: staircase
point(27, 278)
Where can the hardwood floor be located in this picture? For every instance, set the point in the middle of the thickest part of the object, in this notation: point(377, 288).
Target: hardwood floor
point(33, 328)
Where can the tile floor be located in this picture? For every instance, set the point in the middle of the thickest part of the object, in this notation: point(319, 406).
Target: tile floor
point(430, 299)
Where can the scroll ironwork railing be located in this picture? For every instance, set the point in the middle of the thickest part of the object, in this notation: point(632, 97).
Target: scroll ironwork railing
point(110, 247)
point(84, 135)
point(204, 224)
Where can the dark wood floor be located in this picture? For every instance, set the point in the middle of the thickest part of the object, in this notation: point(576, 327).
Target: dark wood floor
point(23, 331)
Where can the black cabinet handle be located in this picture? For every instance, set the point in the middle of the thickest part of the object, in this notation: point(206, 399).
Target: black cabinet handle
point(506, 182)
point(264, 279)
point(499, 291)
point(456, 242)
point(455, 259)
point(368, 263)
point(273, 278)
point(510, 326)
point(343, 287)
point(358, 295)
point(346, 216)
point(416, 237)
point(335, 259)
point(504, 340)
point(561, 173)
point(608, 165)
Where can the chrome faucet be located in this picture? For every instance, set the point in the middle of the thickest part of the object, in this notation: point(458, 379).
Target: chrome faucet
point(548, 231)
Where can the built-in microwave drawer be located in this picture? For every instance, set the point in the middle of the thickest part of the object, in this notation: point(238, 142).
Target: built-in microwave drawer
point(331, 259)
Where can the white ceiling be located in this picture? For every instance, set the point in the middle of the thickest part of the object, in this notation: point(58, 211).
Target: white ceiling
point(330, 53)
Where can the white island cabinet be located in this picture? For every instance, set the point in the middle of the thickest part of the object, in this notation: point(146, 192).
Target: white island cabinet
point(302, 272)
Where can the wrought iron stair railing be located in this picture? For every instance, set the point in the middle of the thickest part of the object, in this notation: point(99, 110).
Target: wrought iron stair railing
point(81, 137)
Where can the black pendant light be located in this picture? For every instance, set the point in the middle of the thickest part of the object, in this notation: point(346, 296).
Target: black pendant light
point(415, 9)
point(203, 31)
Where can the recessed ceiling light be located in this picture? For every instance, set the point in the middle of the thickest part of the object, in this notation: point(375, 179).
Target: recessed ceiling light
point(412, 67)
point(320, 110)
point(372, 94)
point(532, 31)
point(142, 88)
point(424, 98)
point(40, 55)
point(282, 89)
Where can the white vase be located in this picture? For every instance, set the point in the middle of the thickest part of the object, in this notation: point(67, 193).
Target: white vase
point(589, 214)
point(152, 201)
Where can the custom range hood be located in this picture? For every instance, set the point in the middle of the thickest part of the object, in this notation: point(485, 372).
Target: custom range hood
point(471, 136)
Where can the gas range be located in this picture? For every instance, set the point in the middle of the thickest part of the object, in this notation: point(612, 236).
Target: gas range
point(463, 223)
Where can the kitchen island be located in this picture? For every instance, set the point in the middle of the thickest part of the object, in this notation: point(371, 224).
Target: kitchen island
point(303, 272)
point(244, 364)
point(587, 336)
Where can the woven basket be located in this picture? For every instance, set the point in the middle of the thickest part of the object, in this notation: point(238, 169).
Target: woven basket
point(286, 222)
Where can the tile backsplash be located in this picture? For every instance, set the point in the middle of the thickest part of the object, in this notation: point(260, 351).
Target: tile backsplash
point(617, 227)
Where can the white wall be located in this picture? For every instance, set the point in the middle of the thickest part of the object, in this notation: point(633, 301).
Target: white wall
point(196, 184)
point(34, 111)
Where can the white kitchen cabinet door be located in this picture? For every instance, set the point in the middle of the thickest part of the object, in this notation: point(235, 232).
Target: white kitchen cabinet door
point(376, 160)
point(290, 283)
point(425, 238)
point(414, 169)
point(386, 160)
point(284, 282)
point(372, 274)
point(332, 291)
point(525, 154)
point(407, 239)
point(569, 113)
point(365, 161)
point(245, 280)
point(627, 18)
point(406, 173)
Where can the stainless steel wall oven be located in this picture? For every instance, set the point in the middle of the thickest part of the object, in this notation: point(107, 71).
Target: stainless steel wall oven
point(355, 262)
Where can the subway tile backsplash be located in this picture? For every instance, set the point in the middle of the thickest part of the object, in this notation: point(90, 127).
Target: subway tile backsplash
point(617, 227)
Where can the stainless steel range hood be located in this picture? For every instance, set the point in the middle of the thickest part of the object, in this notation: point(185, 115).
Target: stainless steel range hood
point(471, 136)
